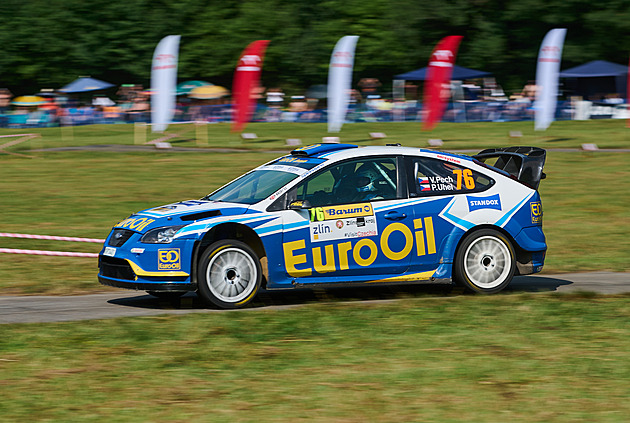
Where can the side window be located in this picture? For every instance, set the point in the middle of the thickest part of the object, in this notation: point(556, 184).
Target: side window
point(350, 182)
point(436, 177)
point(318, 190)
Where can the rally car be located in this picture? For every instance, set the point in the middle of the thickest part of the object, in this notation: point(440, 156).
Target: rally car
point(338, 214)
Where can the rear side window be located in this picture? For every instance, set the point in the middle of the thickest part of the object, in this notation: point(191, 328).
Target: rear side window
point(437, 177)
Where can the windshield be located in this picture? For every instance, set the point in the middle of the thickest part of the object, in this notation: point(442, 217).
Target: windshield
point(252, 187)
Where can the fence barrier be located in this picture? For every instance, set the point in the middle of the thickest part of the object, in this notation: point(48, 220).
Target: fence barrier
point(51, 238)
point(47, 253)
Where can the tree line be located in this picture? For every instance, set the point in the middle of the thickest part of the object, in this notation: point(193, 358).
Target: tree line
point(49, 43)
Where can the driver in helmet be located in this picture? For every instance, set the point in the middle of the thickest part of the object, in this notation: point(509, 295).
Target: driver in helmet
point(366, 185)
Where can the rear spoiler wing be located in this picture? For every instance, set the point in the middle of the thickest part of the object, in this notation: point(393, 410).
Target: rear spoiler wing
point(523, 163)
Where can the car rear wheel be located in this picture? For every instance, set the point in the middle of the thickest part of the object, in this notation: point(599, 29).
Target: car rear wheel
point(229, 274)
point(484, 262)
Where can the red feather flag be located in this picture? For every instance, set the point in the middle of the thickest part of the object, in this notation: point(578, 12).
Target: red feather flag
point(246, 79)
point(438, 80)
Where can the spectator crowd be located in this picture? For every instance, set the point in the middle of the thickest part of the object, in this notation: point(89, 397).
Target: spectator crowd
point(368, 103)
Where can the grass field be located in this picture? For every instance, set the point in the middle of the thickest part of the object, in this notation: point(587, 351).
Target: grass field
point(474, 135)
point(516, 358)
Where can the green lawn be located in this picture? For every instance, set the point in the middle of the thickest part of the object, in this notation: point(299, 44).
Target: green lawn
point(516, 358)
point(609, 133)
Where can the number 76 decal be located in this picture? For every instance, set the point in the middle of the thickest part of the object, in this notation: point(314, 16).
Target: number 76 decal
point(466, 175)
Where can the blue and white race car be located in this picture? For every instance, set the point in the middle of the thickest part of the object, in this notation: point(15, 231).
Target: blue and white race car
point(337, 214)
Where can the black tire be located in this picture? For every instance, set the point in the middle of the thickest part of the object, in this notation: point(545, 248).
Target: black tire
point(166, 295)
point(229, 274)
point(485, 262)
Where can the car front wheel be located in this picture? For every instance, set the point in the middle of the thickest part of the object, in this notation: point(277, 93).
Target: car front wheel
point(229, 274)
point(485, 262)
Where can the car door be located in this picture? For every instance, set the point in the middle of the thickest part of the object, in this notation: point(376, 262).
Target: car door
point(434, 184)
point(349, 222)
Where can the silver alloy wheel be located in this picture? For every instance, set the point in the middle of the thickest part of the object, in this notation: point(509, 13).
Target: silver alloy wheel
point(231, 275)
point(487, 262)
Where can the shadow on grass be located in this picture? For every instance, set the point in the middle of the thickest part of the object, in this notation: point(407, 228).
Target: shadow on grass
point(287, 298)
point(558, 139)
point(176, 141)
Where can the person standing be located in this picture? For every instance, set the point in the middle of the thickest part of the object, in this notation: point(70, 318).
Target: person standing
point(5, 99)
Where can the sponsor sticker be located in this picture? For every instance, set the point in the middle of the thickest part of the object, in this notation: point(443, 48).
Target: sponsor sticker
point(169, 259)
point(109, 251)
point(340, 212)
point(279, 193)
point(136, 224)
point(353, 227)
point(292, 160)
point(491, 202)
point(537, 213)
point(449, 158)
point(286, 168)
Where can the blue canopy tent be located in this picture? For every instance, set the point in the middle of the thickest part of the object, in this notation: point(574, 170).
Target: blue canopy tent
point(85, 84)
point(597, 79)
point(459, 74)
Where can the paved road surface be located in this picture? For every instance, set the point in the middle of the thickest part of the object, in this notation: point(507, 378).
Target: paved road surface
point(33, 309)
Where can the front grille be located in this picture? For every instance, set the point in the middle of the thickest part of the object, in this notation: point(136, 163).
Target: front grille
point(116, 268)
point(119, 237)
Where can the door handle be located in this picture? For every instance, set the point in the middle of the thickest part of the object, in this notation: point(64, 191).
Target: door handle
point(394, 215)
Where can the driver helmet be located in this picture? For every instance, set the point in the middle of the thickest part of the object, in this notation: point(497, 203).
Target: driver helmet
point(366, 180)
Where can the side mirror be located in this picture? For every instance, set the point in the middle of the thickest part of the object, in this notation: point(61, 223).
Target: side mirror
point(300, 205)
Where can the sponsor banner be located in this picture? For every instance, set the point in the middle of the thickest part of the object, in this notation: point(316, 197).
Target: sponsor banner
point(340, 81)
point(163, 81)
point(547, 75)
point(477, 203)
point(246, 80)
point(437, 85)
point(330, 230)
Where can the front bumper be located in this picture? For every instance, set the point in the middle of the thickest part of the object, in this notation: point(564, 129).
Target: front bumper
point(148, 286)
point(123, 273)
point(128, 263)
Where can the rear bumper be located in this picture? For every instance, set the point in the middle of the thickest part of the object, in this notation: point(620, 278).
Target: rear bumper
point(530, 262)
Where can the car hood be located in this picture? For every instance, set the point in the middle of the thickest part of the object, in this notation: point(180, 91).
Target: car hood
point(182, 213)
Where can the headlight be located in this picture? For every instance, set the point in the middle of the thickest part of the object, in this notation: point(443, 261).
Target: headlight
point(162, 235)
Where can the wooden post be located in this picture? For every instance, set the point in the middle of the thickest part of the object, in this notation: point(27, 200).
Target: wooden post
point(139, 133)
point(201, 132)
